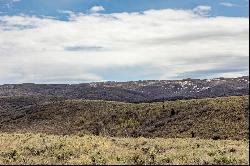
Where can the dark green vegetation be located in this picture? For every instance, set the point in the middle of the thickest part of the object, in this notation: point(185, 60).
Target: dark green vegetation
point(211, 118)
point(50, 149)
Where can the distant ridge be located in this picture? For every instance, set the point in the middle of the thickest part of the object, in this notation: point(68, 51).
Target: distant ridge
point(134, 91)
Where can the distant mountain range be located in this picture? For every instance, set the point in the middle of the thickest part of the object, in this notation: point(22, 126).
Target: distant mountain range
point(133, 91)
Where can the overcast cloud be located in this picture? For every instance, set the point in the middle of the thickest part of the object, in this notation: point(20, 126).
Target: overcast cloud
point(169, 42)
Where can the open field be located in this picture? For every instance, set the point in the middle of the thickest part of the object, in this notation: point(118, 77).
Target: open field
point(51, 149)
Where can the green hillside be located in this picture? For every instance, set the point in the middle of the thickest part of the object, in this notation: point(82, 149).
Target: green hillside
point(211, 118)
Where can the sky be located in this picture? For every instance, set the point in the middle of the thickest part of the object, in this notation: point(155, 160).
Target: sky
point(76, 41)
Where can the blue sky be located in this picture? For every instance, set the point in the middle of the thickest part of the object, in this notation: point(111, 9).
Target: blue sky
point(73, 41)
point(239, 8)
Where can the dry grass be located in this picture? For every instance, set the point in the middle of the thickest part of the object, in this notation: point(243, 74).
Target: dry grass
point(51, 149)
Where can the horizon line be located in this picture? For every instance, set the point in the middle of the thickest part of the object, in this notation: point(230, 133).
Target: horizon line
point(107, 81)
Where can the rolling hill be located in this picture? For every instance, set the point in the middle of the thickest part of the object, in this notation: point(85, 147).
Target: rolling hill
point(133, 91)
point(210, 118)
point(136, 122)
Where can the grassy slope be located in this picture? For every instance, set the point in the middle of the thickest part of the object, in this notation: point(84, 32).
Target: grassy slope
point(51, 149)
point(216, 118)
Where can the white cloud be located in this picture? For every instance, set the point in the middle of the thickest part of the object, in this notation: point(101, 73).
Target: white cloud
point(66, 12)
point(167, 43)
point(228, 4)
point(202, 10)
point(96, 9)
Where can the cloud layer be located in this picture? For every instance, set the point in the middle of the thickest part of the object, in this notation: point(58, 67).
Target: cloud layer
point(228, 4)
point(96, 9)
point(202, 10)
point(154, 44)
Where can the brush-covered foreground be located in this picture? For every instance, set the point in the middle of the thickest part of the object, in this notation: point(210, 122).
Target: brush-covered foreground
point(51, 149)
point(211, 118)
